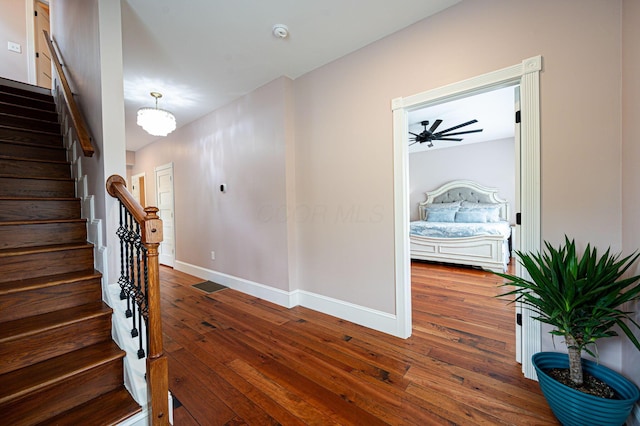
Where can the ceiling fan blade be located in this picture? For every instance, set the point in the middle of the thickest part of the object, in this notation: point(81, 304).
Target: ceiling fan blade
point(414, 134)
point(447, 139)
point(457, 127)
point(461, 133)
point(413, 143)
point(435, 125)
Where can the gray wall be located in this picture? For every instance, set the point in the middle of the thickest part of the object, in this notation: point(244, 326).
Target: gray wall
point(243, 145)
point(490, 163)
point(89, 36)
point(13, 27)
point(343, 208)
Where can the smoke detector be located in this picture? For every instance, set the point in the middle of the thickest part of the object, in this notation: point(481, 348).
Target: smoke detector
point(280, 31)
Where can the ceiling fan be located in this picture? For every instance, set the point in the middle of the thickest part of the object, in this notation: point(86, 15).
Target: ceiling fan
point(432, 135)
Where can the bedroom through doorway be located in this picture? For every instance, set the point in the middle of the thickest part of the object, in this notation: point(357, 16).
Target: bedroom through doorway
point(470, 140)
point(526, 75)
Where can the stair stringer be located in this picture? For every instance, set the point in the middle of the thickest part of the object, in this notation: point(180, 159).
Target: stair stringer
point(134, 368)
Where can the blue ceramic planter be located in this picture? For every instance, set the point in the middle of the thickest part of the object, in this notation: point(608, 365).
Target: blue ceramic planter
point(574, 408)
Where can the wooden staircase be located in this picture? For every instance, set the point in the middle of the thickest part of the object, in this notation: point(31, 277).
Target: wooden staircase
point(58, 363)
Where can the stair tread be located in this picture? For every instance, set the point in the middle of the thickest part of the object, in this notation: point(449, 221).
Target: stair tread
point(32, 144)
point(42, 221)
point(12, 330)
point(39, 198)
point(32, 160)
point(110, 408)
point(22, 129)
point(35, 93)
point(25, 111)
point(19, 251)
point(48, 281)
point(37, 376)
point(6, 175)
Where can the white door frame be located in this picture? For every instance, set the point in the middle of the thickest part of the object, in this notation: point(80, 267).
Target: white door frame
point(165, 258)
point(527, 76)
point(135, 180)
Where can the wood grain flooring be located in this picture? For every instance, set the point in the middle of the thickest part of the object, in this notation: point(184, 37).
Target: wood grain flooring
point(235, 359)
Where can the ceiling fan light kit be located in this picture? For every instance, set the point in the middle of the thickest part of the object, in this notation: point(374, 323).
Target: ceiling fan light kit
point(430, 135)
point(156, 121)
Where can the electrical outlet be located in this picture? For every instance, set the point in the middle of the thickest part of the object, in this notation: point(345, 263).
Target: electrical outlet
point(213, 255)
point(14, 47)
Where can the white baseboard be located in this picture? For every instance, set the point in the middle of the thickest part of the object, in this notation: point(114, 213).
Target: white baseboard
point(273, 295)
point(367, 317)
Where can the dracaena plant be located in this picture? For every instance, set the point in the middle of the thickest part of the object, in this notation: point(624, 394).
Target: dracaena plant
point(581, 297)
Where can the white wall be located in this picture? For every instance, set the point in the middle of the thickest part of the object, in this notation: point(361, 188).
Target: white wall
point(245, 146)
point(630, 356)
point(88, 34)
point(490, 163)
point(13, 27)
point(344, 130)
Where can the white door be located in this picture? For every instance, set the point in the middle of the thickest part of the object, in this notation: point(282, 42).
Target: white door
point(43, 59)
point(164, 194)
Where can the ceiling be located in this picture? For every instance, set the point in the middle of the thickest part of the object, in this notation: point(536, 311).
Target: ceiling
point(494, 111)
point(203, 54)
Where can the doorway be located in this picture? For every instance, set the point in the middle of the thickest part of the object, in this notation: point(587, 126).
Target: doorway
point(482, 150)
point(526, 75)
point(165, 203)
point(138, 189)
point(43, 58)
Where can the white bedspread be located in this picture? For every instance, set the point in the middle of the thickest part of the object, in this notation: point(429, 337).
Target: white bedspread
point(459, 230)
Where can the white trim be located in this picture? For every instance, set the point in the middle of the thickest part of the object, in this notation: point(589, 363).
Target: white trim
point(401, 216)
point(271, 294)
point(530, 232)
point(31, 42)
point(527, 75)
point(371, 318)
point(139, 419)
point(164, 258)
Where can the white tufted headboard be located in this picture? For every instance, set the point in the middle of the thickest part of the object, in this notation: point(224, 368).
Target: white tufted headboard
point(466, 190)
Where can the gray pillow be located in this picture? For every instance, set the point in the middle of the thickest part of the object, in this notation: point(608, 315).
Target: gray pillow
point(471, 215)
point(492, 209)
point(441, 215)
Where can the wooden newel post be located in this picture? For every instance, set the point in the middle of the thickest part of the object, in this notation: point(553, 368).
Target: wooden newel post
point(157, 366)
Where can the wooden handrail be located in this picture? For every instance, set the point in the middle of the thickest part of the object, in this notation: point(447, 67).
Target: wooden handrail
point(151, 237)
point(78, 121)
point(150, 223)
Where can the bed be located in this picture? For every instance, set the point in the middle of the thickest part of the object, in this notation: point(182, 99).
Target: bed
point(464, 223)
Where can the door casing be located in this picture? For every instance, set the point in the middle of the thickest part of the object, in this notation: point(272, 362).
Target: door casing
point(166, 209)
point(527, 76)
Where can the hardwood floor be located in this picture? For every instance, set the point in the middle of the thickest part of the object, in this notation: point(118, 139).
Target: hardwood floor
point(235, 359)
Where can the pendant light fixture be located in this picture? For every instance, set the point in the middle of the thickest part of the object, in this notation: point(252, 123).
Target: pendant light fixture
point(156, 121)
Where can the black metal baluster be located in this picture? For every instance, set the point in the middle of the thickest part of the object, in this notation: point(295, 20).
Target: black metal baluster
point(134, 277)
point(121, 233)
point(128, 219)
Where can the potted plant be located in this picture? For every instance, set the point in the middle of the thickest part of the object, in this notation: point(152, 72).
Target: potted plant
point(582, 298)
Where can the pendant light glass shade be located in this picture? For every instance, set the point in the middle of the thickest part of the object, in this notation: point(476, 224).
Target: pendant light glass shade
point(156, 121)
